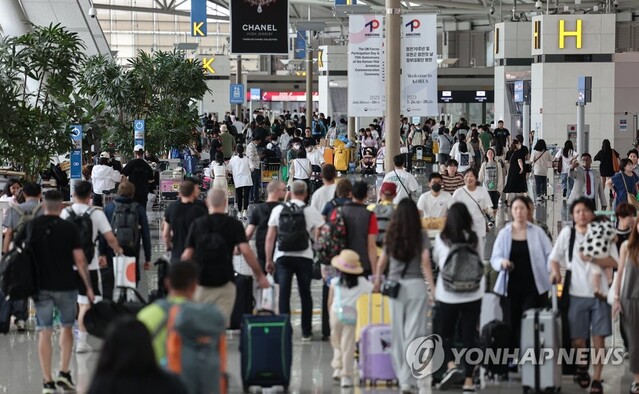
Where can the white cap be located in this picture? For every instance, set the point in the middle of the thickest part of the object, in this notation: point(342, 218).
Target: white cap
point(269, 146)
point(105, 155)
point(138, 148)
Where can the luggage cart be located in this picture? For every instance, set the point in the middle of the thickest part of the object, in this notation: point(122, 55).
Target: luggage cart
point(169, 186)
point(270, 172)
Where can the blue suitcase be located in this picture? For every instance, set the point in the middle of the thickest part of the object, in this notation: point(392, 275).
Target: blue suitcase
point(266, 349)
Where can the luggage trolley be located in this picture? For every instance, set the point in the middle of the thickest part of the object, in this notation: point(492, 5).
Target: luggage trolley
point(169, 186)
point(270, 172)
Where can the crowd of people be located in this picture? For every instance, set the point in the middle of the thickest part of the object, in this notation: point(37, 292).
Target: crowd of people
point(385, 246)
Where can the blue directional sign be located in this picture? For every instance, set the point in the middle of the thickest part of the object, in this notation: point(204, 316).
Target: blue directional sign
point(300, 45)
point(237, 93)
point(198, 18)
point(76, 151)
point(138, 132)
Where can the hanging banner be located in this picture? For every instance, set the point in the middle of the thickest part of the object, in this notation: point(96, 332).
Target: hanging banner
point(138, 132)
point(366, 87)
point(419, 65)
point(259, 27)
point(198, 18)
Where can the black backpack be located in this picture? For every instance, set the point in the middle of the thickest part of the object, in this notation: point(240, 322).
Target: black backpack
point(318, 128)
point(463, 269)
point(494, 336)
point(214, 255)
point(85, 225)
point(126, 227)
point(291, 229)
point(19, 268)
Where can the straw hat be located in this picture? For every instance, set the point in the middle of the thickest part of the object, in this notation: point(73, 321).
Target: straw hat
point(348, 262)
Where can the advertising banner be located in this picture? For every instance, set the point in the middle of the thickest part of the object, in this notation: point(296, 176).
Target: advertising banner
point(198, 18)
point(259, 27)
point(419, 64)
point(366, 79)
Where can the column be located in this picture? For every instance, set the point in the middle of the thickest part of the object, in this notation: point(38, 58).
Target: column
point(309, 81)
point(238, 80)
point(392, 43)
point(12, 19)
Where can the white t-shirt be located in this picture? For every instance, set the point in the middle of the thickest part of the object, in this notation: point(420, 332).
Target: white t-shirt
point(349, 297)
point(104, 178)
point(301, 168)
point(322, 196)
point(565, 165)
point(440, 253)
point(241, 170)
point(581, 285)
point(465, 161)
point(101, 225)
point(481, 197)
point(434, 207)
point(399, 178)
point(314, 220)
point(315, 157)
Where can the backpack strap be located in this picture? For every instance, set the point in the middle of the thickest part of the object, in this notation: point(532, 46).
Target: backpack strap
point(166, 307)
point(571, 243)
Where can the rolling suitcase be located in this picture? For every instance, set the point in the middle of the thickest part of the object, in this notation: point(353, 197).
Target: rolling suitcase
point(342, 157)
point(375, 360)
point(266, 350)
point(243, 300)
point(370, 312)
point(541, 331)
point(329, 154)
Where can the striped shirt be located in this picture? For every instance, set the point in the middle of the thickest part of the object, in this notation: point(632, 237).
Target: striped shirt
point(452, 183)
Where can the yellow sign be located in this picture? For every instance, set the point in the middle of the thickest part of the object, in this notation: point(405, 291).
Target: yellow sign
point(207, 64)
point(320, 58)
point(537, 35)
point(563, 34)
point(197, 29)
point(496, 40)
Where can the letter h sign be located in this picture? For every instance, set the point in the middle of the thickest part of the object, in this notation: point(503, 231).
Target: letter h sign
point(563, 34)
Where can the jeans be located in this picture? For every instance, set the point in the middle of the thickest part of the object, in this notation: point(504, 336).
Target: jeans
point(20, 309)
point(242, 197)
point(64, 301)
point(540, 185)
point(326, 327)
point(302, 268)
point(566, 183)
point(468, 316)
point(256, 176)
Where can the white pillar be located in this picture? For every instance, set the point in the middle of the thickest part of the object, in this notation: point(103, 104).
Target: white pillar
point(12, 18)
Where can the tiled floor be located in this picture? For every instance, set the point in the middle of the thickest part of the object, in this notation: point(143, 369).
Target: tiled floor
point(20, 370)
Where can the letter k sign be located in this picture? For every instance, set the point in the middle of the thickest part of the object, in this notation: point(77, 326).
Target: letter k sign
point(207, 65)
point(197, 29)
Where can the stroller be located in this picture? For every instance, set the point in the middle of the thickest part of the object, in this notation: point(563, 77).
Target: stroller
point(368, 163)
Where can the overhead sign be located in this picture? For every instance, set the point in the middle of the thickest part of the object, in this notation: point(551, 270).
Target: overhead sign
point(466, 96)
point(419, 64)
point(299, 52)
point(563, 33)
point(259, 27)
point(237, 93)
point(345, 2)
point(76, 151)
point(198, 18)
point(256, 94)
point(287, 96)
point(366, 71)
point(138, 132)
point(519, 91)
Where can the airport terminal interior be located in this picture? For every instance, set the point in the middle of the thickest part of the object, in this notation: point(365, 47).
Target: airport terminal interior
point(549, 87)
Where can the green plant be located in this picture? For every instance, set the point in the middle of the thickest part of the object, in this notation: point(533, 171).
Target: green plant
point(162, 88)
point(38, 73)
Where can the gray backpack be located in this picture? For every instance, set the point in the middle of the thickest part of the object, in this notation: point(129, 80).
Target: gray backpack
point(383, 214)
point(463, 269)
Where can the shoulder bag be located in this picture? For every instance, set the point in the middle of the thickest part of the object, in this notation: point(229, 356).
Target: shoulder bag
point(402, 183)
point(390, 287)
point(487, 219)
point(632, 200)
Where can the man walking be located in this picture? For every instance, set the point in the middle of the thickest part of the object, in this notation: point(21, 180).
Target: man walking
point(178, 219)
point(293, 225)
point(227, 141)
point(255, 167)
point(140, 174)
point(58, 251)
point(326, 193)
point(404, 181)
point(211, 242)
point(587, 182)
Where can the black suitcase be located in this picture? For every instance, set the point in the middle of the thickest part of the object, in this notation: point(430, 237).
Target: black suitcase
point(243, 300)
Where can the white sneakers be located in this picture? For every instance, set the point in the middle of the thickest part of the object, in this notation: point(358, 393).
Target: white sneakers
point(337, 374)
point(346, 382)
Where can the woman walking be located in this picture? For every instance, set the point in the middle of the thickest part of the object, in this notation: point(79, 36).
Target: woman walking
point(564, 158)
point(624, 183)
point(520, 254)
point(516, 178)
point(239, 167)
point(457, 311)
point(478, 203)
point(541, 162)
point(407, 250)
point(608, 159)
point(300, 168)
point(491, 176)
point(626, 294)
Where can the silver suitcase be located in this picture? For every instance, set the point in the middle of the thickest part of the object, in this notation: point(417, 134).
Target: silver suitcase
point(541, 333)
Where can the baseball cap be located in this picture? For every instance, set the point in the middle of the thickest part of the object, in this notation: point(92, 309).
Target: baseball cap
point(105, 155)
point(138, 148)
point(388, 188)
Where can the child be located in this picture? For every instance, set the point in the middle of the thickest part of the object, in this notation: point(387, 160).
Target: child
point(368, 162)
point(345, 290)
point(599, 239)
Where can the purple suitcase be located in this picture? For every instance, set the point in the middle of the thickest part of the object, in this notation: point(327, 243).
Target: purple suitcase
point(375, 363)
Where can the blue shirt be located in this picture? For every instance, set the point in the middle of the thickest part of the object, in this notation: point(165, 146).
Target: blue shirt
point(539, 248)
point(621, 184)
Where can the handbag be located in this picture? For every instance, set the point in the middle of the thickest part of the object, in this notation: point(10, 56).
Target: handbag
point(632, 200)
point(346, 315)
point(390, 287)
point(616, 166)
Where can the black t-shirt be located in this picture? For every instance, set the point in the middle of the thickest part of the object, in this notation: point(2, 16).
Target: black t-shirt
point(139, 173)
point(259, 218)
point(54, 252)
point(181, 216)
point(502, 134)
point(229, 228)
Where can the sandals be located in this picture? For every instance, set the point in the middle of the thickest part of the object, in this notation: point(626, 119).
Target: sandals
point(583, 378)
point(596, 387)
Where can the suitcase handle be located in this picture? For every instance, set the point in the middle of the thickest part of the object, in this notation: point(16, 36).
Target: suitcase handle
point(370, 308)
point(555, 303)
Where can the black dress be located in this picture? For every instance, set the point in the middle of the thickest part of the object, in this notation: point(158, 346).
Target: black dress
point(605, 162)
point(516, 182)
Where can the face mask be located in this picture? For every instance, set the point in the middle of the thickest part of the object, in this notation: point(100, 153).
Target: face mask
point(436, 187)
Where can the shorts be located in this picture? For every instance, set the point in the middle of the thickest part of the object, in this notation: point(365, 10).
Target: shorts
point(589, 316)
point(95, 284)
point(64, 301)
